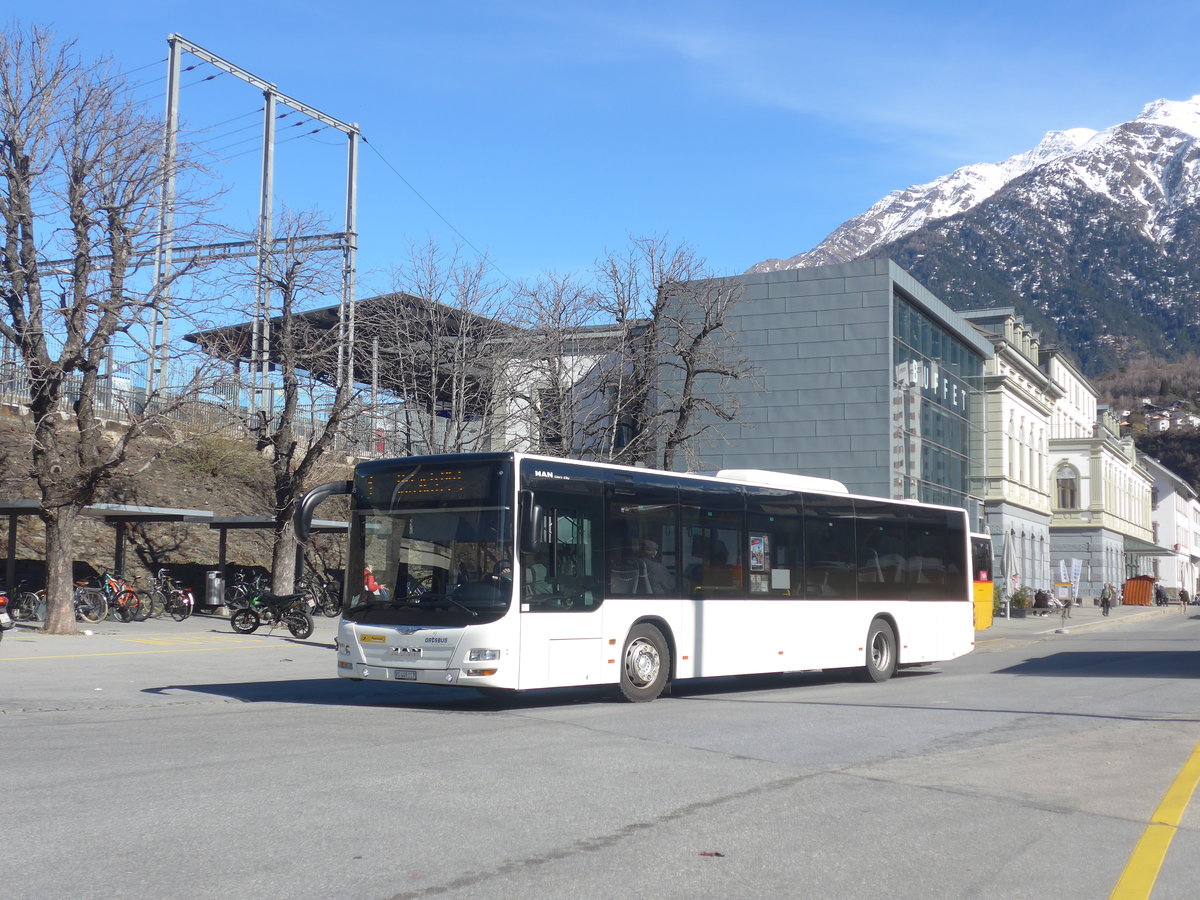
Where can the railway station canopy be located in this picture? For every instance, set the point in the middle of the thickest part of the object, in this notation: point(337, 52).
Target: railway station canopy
point(396, 339)
point(117, 514)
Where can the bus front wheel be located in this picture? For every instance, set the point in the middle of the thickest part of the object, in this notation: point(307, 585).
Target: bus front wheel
point(645, 664)
point(880, 652)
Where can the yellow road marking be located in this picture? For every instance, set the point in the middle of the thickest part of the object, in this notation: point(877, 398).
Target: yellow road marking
point(132, 652)
point(175, 640)
point(1137, 881)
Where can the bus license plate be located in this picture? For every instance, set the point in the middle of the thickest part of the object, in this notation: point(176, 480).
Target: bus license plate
point(406, 674)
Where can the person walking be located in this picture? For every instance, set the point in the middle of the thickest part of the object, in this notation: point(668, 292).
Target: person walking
point(1106, 599)
point(1183, 600)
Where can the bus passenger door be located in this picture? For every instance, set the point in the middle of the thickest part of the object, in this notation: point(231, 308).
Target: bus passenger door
point(560, 598)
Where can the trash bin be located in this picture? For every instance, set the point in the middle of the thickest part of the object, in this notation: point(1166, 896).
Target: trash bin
point(214, 588)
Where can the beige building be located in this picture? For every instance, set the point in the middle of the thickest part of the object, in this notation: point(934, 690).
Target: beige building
point(1063, 490)
point(1020, 400)
point(1101, 506)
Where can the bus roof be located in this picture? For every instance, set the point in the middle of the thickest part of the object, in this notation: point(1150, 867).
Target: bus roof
point(761, 477)
point(784, 480)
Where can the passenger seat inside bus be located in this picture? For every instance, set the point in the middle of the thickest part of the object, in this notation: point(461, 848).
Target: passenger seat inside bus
point(711, 567)
point(628, 575)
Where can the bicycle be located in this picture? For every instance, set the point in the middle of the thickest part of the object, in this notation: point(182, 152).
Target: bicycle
point(90, 603)
point(166, 596)
point(27, 605)
point(322, 596)
point(122, 598)
point(242, 589)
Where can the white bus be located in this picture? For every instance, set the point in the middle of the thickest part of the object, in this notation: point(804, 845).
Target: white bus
point(512, 571)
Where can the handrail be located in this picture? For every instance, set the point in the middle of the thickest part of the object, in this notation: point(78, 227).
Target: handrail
point(310, 501)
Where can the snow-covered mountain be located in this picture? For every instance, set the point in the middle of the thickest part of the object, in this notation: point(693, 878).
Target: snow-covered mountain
point(903, 211)
point(1096, 232)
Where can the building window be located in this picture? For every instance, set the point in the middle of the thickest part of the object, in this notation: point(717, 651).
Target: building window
point(550, 419)
point(1067, 479)
point(939, 389)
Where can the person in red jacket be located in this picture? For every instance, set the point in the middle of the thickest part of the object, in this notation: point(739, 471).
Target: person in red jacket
point(369, 581)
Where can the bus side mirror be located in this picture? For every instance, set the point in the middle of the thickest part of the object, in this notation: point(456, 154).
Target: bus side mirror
point(530, 516)
point(310, 501)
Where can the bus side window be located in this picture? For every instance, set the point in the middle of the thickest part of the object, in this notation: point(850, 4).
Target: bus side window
point(829, 548)
point(621, 564)
point(937, 556)
point(640, 532)
point(561, 574)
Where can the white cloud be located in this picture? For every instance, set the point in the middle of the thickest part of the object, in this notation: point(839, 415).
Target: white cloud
point(972, 85)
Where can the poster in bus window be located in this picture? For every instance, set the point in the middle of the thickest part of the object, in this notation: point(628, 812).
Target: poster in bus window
point(759, 550)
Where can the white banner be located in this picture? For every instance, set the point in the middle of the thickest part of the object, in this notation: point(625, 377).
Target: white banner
point(1062, 571)
point(1076, 568)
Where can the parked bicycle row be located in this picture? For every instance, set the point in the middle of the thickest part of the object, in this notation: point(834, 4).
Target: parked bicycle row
point(113, 598)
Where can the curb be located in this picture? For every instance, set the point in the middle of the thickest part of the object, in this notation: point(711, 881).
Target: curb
point(1010, 638)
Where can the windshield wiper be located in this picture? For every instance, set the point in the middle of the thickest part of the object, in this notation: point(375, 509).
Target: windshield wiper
point(428, 597)
point(461, 606)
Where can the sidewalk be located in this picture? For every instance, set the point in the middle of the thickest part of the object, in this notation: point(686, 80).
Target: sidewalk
point(116, 639)
point(1083, 618)
point(158, 635)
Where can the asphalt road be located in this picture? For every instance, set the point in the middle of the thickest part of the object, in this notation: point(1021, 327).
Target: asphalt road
point(162, 759)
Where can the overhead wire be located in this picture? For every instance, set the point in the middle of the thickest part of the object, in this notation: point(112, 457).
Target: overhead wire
point(147, 65)
point(323, 143)
point(204, 79)
point(227, 121)
point(282, 115)
point(224, 135)
point(286, 140)
point(215, 150)
point(163, 93)
point(437, 212)
point(141, 84)
point(309, 136)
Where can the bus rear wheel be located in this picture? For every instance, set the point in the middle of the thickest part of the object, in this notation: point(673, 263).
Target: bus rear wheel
point(645, 664)
point(880, 652)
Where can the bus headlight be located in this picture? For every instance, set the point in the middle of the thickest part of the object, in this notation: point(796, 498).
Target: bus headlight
point(479, 654)
point(479, 673)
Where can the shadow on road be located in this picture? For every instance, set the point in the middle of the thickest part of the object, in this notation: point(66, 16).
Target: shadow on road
point(342, 692)
point(743, 684)
point(1112, 664)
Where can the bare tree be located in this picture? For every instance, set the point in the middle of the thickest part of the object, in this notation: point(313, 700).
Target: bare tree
point(309, 400)
point(83, 169)
point(441, 349)
point(666, 379)
point(697, 363)
point(550, 361)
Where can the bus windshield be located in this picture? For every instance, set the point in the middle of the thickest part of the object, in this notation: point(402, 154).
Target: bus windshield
point(433, 541)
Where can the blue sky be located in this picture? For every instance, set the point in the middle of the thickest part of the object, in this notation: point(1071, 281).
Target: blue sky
point(545, 132)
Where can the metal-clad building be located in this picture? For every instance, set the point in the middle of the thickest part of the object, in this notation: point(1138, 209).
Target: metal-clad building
point(862, 375)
